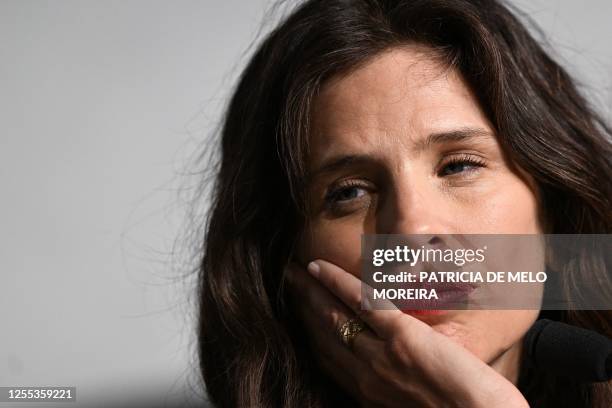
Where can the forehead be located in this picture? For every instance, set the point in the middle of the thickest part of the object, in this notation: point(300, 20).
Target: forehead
point(397, 97)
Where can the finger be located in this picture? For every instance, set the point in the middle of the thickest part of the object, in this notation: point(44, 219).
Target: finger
point(367, 346)
point(307, 292)
point(326, 314)
point(322, 314)
point(318, 307)
point(359, 364)
point(414, 344)
point(348, 289)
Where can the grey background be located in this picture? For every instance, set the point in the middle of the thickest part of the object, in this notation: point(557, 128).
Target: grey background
point(102, 106)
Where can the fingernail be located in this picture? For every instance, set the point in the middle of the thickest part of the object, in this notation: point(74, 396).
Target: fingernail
point(314, 269)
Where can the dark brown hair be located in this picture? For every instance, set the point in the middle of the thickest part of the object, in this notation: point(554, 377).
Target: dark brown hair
point(249, 353)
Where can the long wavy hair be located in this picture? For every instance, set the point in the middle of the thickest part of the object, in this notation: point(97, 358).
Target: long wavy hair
point(250, 353)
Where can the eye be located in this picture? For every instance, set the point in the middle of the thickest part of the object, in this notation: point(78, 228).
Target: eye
point(460, 164)
point(346, 194)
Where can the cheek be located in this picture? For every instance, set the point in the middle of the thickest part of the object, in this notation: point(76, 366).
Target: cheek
point(511, 208)
point(337, 241)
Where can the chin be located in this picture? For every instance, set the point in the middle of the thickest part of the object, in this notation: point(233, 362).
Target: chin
point(470, 336)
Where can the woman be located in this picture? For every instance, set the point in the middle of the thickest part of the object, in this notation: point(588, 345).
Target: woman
point(376, 117)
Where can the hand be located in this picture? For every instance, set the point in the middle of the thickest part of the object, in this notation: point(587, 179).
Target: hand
point(399, 361)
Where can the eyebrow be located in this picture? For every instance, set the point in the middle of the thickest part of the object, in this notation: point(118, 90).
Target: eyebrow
point(339, 162)
point(457, 135)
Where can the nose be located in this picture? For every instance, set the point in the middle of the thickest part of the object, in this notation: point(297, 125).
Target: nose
point(415, 213)
point(412, 209)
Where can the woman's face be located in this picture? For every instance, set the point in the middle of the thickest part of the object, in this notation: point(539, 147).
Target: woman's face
point(401, 146)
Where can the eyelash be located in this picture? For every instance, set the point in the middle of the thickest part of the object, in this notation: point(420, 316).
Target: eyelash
point(331, 198)
point(464, 158)
point(343, 186)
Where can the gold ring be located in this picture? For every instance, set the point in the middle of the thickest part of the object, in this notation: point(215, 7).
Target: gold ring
point(349, 330)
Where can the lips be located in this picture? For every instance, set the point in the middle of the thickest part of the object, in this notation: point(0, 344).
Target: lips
point(451, 296)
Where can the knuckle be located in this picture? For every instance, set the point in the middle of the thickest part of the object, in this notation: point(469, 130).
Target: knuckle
point(333, 282)
point(400, 324)
point(334, 319)
point(379, 367)
point(363, 314)
point(399, 351)
point(355, 305)
point(363, 309)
